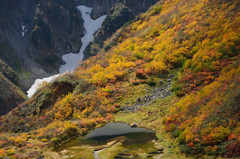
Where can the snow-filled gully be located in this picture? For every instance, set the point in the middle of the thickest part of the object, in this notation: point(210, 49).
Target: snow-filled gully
point(72, 60)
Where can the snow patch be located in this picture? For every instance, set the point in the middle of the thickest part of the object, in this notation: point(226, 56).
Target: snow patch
point(23, 30)
point(91, 26)
point(37, 84)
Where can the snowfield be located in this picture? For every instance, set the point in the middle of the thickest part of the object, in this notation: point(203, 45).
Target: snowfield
point(91, 26)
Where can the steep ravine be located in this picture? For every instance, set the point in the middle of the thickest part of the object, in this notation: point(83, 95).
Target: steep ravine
point(72, 60)
point(58, 28)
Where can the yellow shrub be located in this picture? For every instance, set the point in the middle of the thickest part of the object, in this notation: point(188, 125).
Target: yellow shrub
point(156, 67)
point(44, 140)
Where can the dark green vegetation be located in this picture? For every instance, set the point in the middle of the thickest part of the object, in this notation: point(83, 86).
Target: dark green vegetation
point(10, 94)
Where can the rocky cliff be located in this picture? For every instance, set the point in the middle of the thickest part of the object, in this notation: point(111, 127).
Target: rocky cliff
point(15, 23)
point(139, 6)
point(117, 17)
point(57, 30)
point(16, 69)
point(101, 7)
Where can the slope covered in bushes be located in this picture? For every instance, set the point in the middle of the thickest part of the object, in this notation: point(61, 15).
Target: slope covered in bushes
point(196, 41)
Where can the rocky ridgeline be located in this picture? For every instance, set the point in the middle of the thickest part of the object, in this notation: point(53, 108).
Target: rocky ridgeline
point(101, 7)
point(159, 92)
point(122, 12)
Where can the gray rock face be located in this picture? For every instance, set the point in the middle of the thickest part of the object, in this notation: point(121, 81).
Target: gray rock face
point(139, 6)
point(161, 91)
point(117, 17)
point(88, 3)
point(100, 7)
point(13, 46)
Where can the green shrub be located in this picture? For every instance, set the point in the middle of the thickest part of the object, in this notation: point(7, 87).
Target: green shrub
point(176, 133)
point(151, 83)
point(10, 152)
point(164, 120)
point(172, 127)
point(181, 138)
point(55, 141)
point(156, 10)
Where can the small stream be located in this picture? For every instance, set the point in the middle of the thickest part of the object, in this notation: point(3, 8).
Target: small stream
point(115, 140)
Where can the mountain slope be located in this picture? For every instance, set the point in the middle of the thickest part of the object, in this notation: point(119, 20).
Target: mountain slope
point(10, 94)
point(121, 13)
point(198, 42)
point(35, 34)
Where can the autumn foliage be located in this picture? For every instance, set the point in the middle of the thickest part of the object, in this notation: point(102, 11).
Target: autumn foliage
point(197, 39)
